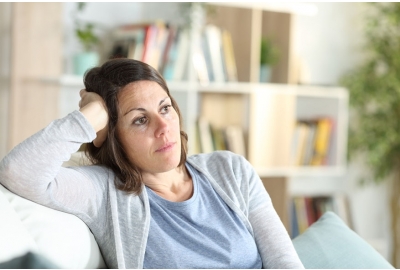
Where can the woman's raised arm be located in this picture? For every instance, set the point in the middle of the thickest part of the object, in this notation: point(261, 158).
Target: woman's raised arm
point(33, 169)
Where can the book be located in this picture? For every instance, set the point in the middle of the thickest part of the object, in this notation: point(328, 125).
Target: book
point(301, 214)
point(309, 144)
point(311, 215)
point(322, 141)
point(299, 141)
point(207, 57)
point(158, 45)
point(170, 40)
point(235, 140)
point(182, 50)
point(229, 56)
point(306, 210)
point(200, 65)
point(219, 139)
point(171, 56)
point(212, 36)
point(148, 44)
point(205, 135)
point(294, 223)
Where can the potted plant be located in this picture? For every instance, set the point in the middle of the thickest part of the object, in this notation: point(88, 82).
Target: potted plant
point(85, 32)
point(374, 89)
point(269, 55)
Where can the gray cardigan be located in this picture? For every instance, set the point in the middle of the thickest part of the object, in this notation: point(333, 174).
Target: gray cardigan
point(120, 222)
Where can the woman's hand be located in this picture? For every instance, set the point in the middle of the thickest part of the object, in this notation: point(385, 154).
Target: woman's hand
point(93, 107)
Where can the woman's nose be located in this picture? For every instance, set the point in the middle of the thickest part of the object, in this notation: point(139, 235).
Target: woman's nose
point(161, 126)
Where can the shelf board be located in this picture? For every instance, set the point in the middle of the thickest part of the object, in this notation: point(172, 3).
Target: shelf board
point(316, 186)
point(306, 171)
point(306, 9)
point(274, 88)
point(228, 87)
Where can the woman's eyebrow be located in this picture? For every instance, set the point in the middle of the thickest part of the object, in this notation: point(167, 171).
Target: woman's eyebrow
point(162, 101)
point(142, 109)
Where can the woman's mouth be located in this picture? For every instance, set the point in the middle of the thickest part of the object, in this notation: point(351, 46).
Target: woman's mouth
point(166, 147)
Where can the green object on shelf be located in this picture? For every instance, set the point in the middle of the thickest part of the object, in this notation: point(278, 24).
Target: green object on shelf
point(85, 31)
point(269, 54)
point(265, 73)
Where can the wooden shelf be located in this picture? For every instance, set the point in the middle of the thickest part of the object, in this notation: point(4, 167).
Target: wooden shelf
point(306, 171)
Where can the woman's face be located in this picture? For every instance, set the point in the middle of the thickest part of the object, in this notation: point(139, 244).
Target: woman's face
point(148, 127)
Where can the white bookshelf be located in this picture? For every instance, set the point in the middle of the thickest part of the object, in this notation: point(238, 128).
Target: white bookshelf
point(267, 112)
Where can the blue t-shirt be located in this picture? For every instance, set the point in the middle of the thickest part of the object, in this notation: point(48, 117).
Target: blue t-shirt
point(202, 232)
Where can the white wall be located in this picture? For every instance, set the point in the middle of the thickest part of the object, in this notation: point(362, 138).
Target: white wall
point(328, 45)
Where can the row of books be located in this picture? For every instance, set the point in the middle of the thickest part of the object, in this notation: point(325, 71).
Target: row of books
point(307, 210)
point(169, 49)
point(311, 142)
point(211, 139)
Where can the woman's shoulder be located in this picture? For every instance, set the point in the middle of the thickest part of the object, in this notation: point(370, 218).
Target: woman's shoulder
point(214, 156)
point(217, 160)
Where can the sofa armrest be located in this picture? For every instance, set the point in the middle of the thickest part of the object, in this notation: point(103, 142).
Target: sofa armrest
point(15, 240)
point(62, 238)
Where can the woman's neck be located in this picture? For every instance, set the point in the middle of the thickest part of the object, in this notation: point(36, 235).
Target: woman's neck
point(175, 185)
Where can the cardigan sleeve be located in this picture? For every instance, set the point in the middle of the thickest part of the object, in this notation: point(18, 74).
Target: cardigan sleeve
point(33, 169)
point(274, 244)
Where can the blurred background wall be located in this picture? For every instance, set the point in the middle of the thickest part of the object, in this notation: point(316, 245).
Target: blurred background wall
point(5, 44)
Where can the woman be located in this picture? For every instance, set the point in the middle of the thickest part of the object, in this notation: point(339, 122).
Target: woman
point(147, 205)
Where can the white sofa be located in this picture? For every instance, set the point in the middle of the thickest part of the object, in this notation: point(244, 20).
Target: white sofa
point(63, 239)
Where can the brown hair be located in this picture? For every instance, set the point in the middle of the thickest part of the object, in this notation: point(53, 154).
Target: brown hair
point(107, 81)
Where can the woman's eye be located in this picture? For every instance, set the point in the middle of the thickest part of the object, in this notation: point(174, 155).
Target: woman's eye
point(140, 121)
point(166, 108)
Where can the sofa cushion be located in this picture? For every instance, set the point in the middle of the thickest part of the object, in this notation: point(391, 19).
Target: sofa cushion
point(62, 238)
point(15, 240)
point(330, 243)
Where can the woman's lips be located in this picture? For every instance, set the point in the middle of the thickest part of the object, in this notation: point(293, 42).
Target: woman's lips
point(165, 147)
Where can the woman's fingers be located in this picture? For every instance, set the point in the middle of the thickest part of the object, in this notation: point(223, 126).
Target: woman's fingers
point(82, 93)
point(88, 97)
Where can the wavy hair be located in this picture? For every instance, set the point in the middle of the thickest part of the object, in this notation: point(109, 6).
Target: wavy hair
point(107, 81)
